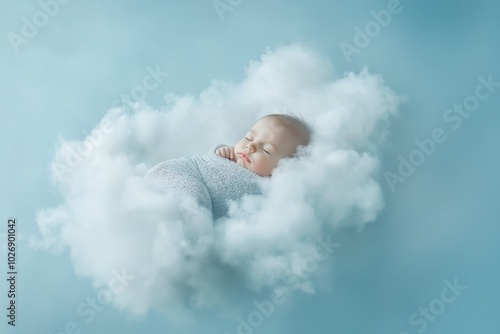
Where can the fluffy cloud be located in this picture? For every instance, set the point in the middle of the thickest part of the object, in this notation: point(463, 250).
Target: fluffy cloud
point(179, 259)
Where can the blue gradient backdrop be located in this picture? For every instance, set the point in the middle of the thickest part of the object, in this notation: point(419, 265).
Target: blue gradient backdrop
point(442, 223)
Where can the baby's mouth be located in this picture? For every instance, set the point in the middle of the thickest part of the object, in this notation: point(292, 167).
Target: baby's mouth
point(244, 156)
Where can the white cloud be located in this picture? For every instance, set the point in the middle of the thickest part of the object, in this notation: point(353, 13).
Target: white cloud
point(180, 259)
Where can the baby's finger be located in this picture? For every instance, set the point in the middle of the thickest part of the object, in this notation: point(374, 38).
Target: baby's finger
point(224, 152)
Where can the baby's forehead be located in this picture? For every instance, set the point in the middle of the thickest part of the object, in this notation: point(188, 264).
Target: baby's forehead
point(271, 135)
point(272, 124)
point(279, 130)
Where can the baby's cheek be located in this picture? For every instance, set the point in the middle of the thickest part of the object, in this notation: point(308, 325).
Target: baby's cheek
point(273, 164)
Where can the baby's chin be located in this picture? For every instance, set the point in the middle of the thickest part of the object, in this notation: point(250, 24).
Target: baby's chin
point(247, 165)
point(240, 161)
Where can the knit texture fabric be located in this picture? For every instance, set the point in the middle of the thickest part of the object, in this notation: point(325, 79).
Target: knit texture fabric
point(213, 181)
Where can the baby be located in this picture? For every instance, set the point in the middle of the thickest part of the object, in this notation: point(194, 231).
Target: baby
point(271, 139)
point(227, 173)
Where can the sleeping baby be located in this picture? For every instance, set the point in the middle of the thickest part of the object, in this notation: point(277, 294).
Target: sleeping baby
point(227, 173)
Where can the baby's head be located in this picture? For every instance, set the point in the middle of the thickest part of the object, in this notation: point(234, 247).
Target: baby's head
point(270, 139)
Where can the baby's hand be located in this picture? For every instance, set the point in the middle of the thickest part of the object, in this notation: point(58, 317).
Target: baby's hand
point(226, 152)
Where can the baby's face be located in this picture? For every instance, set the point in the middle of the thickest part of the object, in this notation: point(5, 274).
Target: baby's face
point(264, 145)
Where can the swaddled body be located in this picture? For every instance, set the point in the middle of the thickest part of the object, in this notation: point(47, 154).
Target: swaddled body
point(210, 179)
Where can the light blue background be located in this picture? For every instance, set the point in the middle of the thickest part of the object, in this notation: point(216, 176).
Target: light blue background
point(442, 223)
